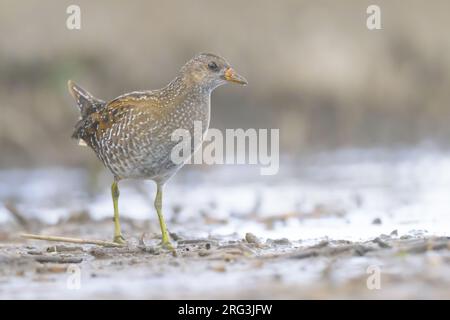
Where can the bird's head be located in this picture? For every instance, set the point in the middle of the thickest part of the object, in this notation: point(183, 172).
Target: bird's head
point(210, 71)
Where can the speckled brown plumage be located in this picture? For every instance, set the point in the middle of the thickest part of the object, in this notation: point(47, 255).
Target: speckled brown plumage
point(132, 133)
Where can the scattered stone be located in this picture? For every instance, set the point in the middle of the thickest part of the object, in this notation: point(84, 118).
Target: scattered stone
point(99, 253)
point(381, 243)
point(360, 250)
point(394, 233)
point(204, 253)
point(377, 221)
point(251, 238)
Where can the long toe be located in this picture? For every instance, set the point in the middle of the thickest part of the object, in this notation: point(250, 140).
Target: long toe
point(119, 239)
point(167, 245)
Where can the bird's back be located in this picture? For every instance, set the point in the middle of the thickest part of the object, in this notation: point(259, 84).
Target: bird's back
point(132, 133)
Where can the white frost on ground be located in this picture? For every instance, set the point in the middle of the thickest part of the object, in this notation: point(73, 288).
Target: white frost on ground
point(338, 195)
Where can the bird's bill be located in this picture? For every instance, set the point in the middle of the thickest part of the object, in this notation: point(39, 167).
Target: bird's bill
point(232, 76)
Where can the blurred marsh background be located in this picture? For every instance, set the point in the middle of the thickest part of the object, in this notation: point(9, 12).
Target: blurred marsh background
point(315, 70)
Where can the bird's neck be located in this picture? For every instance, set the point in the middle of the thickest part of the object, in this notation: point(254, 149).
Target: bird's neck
point(183, 86)
point(183, 95)
point(189, 97)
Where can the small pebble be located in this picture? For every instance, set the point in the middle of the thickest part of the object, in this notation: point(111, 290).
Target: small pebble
point(381, 243)
point(251, 238)
point(377, 221)
point(203, 253)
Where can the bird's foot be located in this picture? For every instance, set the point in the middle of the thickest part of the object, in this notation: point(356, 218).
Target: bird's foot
point(167, 245)
point(119, 239)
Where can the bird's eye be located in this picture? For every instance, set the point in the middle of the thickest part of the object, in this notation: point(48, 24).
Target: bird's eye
point(213, 66)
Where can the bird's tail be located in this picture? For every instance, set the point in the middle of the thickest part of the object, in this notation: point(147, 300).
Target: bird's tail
point(87, 104)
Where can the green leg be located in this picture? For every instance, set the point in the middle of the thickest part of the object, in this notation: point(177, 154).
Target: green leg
point(158, 205)
point(118, 238)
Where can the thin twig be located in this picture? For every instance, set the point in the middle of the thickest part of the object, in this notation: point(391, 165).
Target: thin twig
point(72, 240)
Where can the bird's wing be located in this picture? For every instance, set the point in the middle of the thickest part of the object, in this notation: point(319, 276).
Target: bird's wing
point(126, 115)
point(132, 108)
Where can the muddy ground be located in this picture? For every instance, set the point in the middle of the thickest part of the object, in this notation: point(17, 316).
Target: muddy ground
point(409, 266)
point(336, 226)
